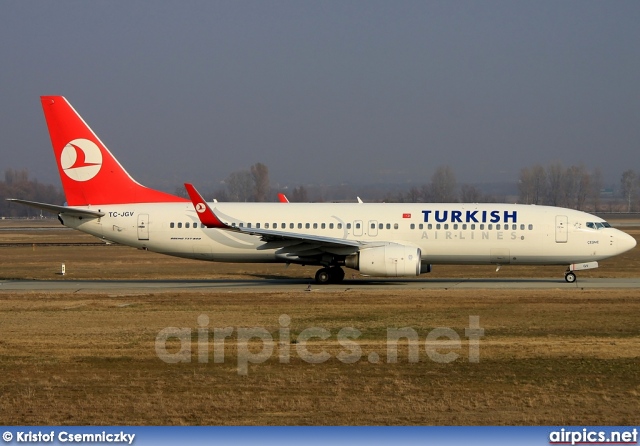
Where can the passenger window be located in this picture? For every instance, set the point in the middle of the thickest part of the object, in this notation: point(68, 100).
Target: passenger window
point(473, 226)
point(522, 227)
point(413, 226)
point(258, 225)
point(339, 225)
point(186, 225)
point(482, 227)
point(315, 226)
point(266, 225)
point(195, 225)
point(455, 226)
point(380, 226)
point(446, 225)
point(330, 225)
point(489, 226)
point(464, 227)
point(307, 225)
point(438, 226)
point(348, 225)
point(395, 226)
point(530, 227)
point(248, 225)
point(388, 225)
point(420, 226)
point(357, 225)
point(429, 226)
point(498, 227)
point(171, 225)
point(323, 226)
point(514, 227)
point(299, 225)
point(179, 225)
point(242, 225)
point(291, 226)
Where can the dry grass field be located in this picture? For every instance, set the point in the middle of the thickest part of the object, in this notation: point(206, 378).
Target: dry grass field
point(548, 357)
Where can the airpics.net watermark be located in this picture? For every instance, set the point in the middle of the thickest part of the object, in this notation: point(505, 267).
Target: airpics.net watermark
point(255, 345)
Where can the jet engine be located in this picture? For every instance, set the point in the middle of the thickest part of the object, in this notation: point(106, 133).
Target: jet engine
point(391, 260)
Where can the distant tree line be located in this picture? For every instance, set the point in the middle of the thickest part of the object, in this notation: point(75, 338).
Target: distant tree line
point(577, 188)
point(555, 185)
point(443, 188)
point(241, 186)
point(17, 184)
point(629, 186)
point(573, 187)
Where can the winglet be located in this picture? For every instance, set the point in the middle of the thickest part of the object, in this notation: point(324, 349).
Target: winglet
point(282, 198)
point(205, 214)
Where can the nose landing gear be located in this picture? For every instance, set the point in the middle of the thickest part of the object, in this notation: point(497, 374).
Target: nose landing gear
point(570, 276)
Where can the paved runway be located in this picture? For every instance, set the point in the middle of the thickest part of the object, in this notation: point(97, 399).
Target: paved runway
point(289, 285)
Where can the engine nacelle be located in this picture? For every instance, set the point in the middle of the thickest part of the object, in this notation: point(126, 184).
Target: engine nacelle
point(392, 260)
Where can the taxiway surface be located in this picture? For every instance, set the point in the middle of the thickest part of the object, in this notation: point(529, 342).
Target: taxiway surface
point(262, 285)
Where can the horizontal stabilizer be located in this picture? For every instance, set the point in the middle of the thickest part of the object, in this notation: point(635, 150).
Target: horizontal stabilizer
point(76, 212)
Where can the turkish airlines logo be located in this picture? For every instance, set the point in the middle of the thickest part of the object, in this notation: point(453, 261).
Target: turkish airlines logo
point(81, 159)
point(200, 208)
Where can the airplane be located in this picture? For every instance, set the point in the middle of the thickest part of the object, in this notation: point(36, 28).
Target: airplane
point(377, 239)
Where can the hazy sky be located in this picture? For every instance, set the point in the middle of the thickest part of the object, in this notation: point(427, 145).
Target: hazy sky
point(327, 91)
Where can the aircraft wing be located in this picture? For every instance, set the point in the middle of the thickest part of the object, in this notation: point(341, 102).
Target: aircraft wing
point(277, 238)
point(76, 212)
point(286, 242)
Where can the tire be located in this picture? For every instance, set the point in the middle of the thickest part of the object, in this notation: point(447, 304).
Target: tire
point(570, 277)
point(337, 274)
point(323, 275)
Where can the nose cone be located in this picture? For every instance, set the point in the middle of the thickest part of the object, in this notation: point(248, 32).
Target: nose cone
point(626, 242)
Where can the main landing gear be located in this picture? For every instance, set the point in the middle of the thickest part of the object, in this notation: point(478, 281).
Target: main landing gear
point(570, 277)
point(334, 274)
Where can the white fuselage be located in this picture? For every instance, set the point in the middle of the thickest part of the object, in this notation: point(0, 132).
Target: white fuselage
point(445, 233)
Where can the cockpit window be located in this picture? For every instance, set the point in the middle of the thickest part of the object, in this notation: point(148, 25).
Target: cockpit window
point(598, 225)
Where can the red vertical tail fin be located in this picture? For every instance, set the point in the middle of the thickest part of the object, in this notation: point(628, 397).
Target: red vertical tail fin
point(90, 174)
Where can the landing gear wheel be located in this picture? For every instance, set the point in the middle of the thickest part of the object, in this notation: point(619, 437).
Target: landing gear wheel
point(330, 275)
point(570, 277)
point(337, 274)
point(323, 275)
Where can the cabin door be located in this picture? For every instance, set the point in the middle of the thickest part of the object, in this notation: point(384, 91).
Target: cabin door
point(143, 227)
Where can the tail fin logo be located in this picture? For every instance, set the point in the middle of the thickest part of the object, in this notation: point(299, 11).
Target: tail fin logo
point(200, 208)
point(81, 159)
